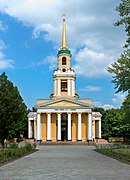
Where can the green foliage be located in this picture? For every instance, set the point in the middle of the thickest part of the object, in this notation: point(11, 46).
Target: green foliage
point(121, 74)
point(124, 12)
point(33, 109)
point(13, 152)
point(121, 68)
point(13, 111)
point(126, 110)
point(114, 117)
point(118, 151)
point(12, 145)
point(121, 71)
point(113, 123)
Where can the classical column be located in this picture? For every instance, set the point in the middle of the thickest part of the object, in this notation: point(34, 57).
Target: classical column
point(54, 87)
point(73, 88)
point(59, 127)
point(59, 87)
point(35, 129)
point(48, 126)
point(79, 127)
point(99, 129)
point(29, 129)
point(38, 126)
point(69, 126)
point(68, 87)
point(89, 126)
point(93, 129)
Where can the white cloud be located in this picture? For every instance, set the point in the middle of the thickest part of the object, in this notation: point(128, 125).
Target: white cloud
point(51, 60)
point(104, 106)
point(89, 25)
point(118, 98)
point(4, 63)
point(92, 63)
point(107, 106)
point(90, 89)
point(3, 27)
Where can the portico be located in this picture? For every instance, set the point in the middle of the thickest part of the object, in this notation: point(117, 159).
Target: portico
point(66, 124)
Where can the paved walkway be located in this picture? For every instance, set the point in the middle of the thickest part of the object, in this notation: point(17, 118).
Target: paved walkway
point(65, 162)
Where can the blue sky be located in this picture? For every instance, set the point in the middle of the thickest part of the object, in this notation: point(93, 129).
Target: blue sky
point(30, 36)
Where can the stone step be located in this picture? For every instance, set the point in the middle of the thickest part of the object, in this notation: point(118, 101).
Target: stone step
point(60, 142)
point(66, 143)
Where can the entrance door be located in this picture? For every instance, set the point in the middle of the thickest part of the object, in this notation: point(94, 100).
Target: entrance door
point(64, 126)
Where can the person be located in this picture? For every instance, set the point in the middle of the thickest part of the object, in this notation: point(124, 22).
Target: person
point(64, 134)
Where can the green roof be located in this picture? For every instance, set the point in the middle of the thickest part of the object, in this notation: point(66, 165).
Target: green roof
point(64, 51)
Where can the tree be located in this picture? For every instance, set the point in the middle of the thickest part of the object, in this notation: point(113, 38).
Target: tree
point(113, 123)
point(126, 108)
point(126, 118)
point(114, 118)
point(13, 111)
point(124, 12)
point(121, 71)
point(121, 68)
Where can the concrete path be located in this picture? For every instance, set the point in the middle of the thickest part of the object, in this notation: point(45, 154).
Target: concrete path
point(65, 162)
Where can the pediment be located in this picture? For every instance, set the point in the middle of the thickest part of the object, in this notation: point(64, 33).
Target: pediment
point(63, 102)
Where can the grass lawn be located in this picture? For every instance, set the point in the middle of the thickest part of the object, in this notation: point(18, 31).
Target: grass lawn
point(118, 152)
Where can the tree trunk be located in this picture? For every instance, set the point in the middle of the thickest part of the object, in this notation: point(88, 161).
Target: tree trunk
point(2, 142)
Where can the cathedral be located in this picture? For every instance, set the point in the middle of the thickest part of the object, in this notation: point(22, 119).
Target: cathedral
point(64, 116)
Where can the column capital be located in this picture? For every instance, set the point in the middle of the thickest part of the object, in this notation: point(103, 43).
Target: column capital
point(48, 112)
point(89, 112)
point(69, 112)
point(38, 113)
point(58, 112)
point(79, 112)
point(97, 120)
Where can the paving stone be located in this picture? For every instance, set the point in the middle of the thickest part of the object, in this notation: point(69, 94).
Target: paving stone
point(65, 162)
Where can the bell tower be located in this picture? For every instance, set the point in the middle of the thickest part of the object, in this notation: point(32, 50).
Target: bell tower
point(64, 75)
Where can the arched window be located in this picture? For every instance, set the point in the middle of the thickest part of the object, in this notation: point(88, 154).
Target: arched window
point(64, 85)
point(64, 61)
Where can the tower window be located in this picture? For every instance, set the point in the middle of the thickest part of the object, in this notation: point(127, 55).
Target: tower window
point(64, 61)
point(63, 86)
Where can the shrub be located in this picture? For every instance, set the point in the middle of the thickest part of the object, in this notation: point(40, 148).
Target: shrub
point(12, 145)
point(12, 151)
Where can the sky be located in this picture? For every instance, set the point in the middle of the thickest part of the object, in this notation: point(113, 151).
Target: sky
point(30, 36)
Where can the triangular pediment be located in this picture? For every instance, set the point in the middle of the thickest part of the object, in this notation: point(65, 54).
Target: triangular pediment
point(63, 102)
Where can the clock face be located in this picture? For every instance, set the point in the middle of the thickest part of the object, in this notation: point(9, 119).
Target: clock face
point(64, 70)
